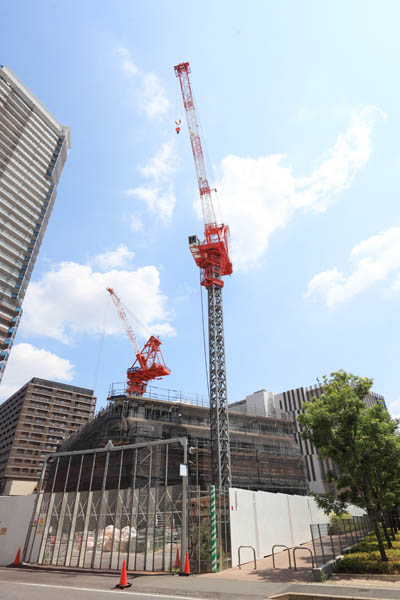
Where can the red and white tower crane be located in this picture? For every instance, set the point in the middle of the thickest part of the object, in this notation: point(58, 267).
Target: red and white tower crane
point(149, 363)
point(212, 256)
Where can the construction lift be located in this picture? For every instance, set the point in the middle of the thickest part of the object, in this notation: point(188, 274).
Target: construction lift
point(212, 256)
point(149, 363)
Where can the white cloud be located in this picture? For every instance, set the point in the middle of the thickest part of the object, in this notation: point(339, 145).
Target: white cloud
point(136, 223)
point(71, 299)
point(372, 260)
point(153, 100)
point(350, 153)
point(160, 201)
point(394, 408)
point(259, 196)
point(162, 165)
point(127, 64)
point(121, 257)
point(27, 361)
point(148, 90)
point(158, 194)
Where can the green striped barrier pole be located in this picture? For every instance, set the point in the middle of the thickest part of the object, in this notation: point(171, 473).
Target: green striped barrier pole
point(214, 559)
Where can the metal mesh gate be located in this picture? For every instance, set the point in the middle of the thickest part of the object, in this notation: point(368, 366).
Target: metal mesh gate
point(199, 527)
point(96, 508)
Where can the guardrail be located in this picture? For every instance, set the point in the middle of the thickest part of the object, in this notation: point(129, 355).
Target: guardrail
point(157, 393)
point(254, 553)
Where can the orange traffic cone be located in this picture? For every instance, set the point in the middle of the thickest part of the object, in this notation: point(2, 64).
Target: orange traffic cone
point(17, 560)
point(186, 570)
point(177, 564)
point(123, 582)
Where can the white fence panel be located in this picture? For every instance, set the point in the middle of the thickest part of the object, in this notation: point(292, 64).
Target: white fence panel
point(15, 514)
point(273, 519)
point(263, 519)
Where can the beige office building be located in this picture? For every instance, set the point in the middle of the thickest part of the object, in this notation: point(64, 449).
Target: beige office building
point(33, 422)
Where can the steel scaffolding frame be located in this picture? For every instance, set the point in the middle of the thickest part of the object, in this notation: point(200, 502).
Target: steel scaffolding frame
point(129, 490)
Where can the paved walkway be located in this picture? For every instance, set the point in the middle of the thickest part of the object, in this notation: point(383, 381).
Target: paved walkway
point(266, 572)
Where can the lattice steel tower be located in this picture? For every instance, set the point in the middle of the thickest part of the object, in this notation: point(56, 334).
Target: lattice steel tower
point(212, 256)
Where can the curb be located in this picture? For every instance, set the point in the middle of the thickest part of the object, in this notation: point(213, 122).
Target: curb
point(308, 595)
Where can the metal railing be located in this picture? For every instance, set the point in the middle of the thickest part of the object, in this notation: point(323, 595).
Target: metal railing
point(302, 548)
point(330, 539)
point(254, 556)
point(273, 554)
point(119, 389)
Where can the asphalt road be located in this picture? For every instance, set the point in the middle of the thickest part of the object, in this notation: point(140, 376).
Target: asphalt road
point(27, 584)
point(18, 584)
point(11, 590)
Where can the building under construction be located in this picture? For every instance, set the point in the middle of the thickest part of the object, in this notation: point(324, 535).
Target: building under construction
point(264, 452)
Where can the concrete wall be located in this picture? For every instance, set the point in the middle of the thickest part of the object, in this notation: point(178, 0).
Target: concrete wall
point(262, 519)
point(15, 514)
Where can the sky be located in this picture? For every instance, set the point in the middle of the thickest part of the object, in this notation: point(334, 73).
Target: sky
point(299, 108)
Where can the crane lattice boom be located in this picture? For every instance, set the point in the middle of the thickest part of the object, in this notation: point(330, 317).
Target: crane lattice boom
point(122, 315)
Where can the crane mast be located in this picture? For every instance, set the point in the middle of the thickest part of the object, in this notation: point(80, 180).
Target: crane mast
point(212, 256)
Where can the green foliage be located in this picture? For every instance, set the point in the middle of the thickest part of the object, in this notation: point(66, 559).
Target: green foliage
point(336, 525)
point(362, 441)
point(365, 558)
point(330, 504)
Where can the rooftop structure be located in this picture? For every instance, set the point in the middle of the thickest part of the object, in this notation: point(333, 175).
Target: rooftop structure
point(33, 150)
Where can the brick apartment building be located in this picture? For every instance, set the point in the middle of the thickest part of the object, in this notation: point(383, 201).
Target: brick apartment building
point(33, 422)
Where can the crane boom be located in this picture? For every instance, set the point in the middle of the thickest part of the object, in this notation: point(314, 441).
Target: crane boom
point(182, 71)
point(212, 256)
point(122, 315)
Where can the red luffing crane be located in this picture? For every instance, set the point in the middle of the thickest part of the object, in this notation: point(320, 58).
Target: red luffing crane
point(149, 363)
point(212, 256)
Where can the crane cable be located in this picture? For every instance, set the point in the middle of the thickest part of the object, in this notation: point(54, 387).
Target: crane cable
point(204, 337)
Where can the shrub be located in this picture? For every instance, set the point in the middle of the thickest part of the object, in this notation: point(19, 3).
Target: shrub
point(365, 558)
point(336, 525)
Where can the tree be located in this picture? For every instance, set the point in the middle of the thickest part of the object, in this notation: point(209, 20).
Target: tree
point(362, 441)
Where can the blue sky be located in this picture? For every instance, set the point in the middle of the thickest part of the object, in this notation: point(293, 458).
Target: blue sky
point(299, 107)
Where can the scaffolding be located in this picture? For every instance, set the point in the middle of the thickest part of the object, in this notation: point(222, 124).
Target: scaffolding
point(264, 452)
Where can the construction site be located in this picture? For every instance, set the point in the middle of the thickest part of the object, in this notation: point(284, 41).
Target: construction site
point(267, 444)
point(147, 480)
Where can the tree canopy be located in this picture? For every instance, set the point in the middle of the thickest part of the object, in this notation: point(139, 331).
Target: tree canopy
point(362, 441)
